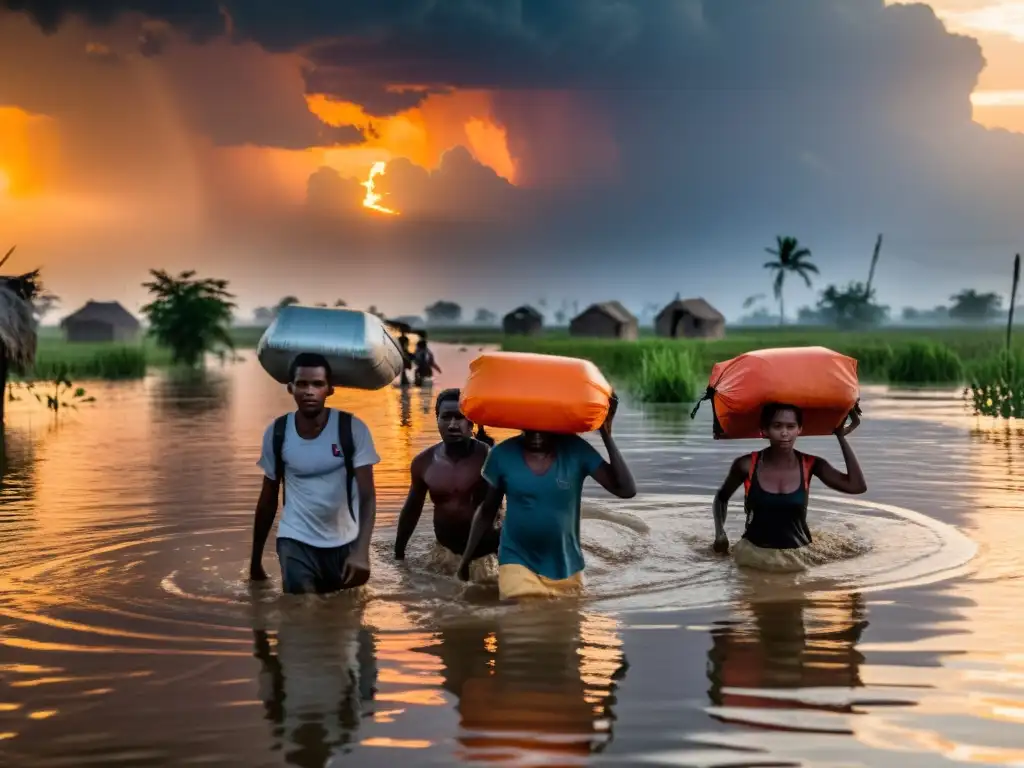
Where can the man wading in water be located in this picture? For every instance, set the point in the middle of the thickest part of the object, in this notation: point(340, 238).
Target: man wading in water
point(777, 483)
point(450, 472)
point(324, 460)
point(542, 475)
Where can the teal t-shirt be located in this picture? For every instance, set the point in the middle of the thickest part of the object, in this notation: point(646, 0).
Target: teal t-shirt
point(542, 517)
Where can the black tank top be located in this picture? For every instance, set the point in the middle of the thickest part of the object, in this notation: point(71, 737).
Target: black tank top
point(778, 520)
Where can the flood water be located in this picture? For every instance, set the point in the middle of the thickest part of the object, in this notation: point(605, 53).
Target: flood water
point(129, 636)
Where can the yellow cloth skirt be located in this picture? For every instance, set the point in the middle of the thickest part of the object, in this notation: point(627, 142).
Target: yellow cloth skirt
point(517, 581)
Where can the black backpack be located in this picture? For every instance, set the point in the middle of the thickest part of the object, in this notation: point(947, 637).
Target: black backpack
point(345, 440)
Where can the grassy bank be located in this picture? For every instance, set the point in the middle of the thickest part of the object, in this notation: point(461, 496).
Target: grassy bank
point(660, 370)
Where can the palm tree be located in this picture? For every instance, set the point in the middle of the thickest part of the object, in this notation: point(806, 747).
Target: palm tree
point(790, 258)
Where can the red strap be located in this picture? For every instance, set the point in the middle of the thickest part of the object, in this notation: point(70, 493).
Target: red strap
point(750, 474)
point(808, 462)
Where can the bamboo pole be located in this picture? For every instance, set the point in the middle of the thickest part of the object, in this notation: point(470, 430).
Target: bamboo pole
point(874, 263)
point(1013, 301)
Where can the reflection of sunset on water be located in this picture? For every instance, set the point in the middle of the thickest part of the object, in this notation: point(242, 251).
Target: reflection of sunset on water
point(536, 688)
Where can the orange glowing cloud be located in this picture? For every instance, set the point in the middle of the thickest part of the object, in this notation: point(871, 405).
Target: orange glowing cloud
point(421, 134)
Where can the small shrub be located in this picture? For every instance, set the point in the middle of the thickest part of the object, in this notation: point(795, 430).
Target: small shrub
point(667, 375)
point(996, 386)
point(924, 363)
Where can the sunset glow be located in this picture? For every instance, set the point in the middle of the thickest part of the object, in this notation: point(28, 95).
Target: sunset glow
point(5, 182)
point(372, 199)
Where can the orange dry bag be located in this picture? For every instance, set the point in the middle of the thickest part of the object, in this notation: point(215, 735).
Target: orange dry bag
point(542, 393)
point(820, 382)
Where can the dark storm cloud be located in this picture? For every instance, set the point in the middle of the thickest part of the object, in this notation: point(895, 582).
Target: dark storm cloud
point(696, 124)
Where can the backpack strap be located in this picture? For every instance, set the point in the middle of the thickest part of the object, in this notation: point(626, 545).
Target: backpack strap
point(348, 451)
point(750, 475)
point(280, 425)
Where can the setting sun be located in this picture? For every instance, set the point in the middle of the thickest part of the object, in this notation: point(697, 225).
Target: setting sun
point(5, 182)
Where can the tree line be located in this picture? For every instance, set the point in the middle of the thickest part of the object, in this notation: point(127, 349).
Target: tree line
point(855, 304)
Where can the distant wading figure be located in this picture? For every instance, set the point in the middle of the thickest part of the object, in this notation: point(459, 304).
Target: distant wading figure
point(449, 472)
point(542, 476)
point(322, 460)
point(777, 486)
point(424, 362)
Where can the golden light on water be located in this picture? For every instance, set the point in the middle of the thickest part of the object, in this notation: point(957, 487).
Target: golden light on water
point(372, 199)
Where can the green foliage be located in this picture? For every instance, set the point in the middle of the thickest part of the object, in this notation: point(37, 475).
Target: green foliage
point(57, 392)
point(923, 363)
point(851, 307)
point(189, 316)
point(995, 386)
point(972, 306)
point(667, 375)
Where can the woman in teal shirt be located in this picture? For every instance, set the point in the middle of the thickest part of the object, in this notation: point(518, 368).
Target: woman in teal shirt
point(541, 475)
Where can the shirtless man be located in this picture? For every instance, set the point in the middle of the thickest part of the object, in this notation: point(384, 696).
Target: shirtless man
point(450, 472)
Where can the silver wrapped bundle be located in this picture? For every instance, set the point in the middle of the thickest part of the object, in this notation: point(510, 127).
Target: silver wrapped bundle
point(357, 346)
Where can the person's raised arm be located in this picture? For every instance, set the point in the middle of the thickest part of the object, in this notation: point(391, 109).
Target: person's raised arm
point(614, 475)
point(411, 510)
point(737, 474)
point(853, 481)
point(483, 521)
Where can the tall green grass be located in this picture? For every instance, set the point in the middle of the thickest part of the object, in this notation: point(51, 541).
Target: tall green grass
point(95, 360)
point(995, 387)
point(667, 376)
point(925, 363)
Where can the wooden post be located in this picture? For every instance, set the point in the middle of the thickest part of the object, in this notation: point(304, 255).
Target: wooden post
point(1013, 301)
point(3, 385)
point(874, 262)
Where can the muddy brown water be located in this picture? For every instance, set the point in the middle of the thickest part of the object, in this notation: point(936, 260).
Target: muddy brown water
point(128, 635)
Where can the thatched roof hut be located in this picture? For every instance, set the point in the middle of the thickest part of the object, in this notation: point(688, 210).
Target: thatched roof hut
point(524, 321)
point(690, 319)
point(606, 320)
point(100, 321)
point(17, 321)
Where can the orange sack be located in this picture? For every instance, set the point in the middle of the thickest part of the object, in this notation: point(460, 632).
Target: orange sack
point(822, 383)
point(542, 393)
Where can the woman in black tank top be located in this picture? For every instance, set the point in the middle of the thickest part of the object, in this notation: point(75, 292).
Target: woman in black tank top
point(777, 482)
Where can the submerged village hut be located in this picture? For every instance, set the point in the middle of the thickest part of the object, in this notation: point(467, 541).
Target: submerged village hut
point(606, 320)
point(101, 321)
point(524, 321)
point(690, 319)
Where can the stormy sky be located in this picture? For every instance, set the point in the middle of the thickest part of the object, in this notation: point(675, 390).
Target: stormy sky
point(569, 150)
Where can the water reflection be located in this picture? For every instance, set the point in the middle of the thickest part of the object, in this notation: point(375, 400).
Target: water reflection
point(534, 685)
point(125, 637)
point(792, 644)
point(17, 465)
point(192, 393)
point(317, 680)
